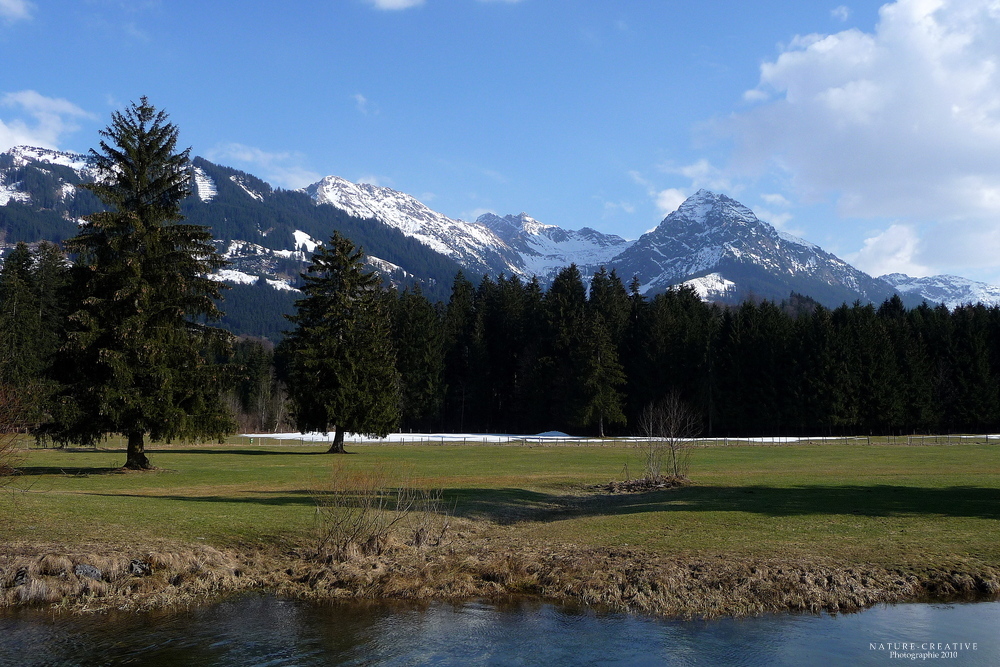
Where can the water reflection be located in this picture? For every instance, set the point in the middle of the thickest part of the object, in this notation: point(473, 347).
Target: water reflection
point(263, 630)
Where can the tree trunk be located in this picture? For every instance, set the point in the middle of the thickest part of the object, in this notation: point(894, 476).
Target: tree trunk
point(136, 459)
point(600, 426)
point(337, 446)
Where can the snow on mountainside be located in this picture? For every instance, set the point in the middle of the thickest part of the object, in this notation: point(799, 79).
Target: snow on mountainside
point(713, 234)
point(204, 186)
point(712, 287)
point(544, 249)
point(23, 155)
point(472, 245)
point(952, 291)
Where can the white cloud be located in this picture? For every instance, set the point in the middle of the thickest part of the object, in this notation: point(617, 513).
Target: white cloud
point(281, 169)
point(669, 200)
point(362, 103)
point(39, 120)
point(15, 10)
point(776, 200)
point(704, 175)
point(841, 13)
point(894, 250)
point(395, 4)
point(666, 201)
point(902, 122)
point(779, 220)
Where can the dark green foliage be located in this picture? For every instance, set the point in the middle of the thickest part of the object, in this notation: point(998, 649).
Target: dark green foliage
point(258, 310)
point(341, 364)
point(134, 359)
point(32, 319)
point(418, 339)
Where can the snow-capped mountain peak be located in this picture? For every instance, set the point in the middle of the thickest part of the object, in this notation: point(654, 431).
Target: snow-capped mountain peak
point(712, 234)
point(470, 244)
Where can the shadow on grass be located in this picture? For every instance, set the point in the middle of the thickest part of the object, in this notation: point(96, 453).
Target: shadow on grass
point(35, 471)
point(512, 505)
point(272, 498)
point(242, 452)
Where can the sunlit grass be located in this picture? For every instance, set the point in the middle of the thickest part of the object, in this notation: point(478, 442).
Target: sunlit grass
point(880, 504)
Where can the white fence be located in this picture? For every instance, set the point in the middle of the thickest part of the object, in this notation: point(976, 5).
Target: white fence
point(563, 440)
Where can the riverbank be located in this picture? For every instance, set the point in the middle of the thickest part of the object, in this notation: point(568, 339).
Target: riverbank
point(490, 567)
point(760, 530)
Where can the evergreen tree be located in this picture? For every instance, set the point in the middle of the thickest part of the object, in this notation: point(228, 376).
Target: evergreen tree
point(19, 324)
point(134, 362)
point(566, 310)
point(417, 337)
point(602, 376)
point(341, 361)
point(460, 352)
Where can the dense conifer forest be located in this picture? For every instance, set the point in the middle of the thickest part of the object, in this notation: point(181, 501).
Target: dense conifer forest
point(589, 354)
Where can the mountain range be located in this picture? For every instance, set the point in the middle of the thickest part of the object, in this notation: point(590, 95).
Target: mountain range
point(711, 242)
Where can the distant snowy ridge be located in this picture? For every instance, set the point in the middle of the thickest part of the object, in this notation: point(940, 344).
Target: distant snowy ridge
point(545, 249)
point(23, 155)
point(513, 245)
point(472, 245)
point(952, 291)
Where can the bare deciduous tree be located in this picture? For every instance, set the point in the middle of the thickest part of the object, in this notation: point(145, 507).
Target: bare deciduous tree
point(12, 425)
point(668, 427)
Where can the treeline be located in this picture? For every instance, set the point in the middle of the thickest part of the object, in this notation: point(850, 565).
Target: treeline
point(506, 356)
point(38, 296)
point(588, 355)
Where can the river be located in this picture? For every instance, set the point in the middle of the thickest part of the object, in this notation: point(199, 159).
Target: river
point(264, 630)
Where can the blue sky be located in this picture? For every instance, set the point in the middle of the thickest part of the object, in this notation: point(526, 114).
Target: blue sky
point(872, 130)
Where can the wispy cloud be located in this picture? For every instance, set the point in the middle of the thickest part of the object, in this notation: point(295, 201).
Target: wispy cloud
point(893, 250)
point(395, 4)
point(666, 200)
point(15, 10)
point(841, 13)
point(38, 120)
point(283, 169)
point(391, 5)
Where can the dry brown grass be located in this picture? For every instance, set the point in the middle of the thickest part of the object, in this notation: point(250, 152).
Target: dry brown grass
point(480, 561)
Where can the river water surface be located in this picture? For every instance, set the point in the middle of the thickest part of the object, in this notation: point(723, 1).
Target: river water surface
point(264, 630)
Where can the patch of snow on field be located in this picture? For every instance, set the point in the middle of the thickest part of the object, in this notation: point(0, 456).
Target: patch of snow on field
point(430, 438)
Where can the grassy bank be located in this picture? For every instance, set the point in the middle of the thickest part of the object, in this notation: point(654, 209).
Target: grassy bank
point(761, 528)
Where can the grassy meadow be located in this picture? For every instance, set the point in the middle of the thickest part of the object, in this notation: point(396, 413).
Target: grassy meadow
point(912, 506)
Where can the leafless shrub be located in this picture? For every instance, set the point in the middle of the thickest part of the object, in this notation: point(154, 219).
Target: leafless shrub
point(13, 423)
point(667, 428)
point(361, 508)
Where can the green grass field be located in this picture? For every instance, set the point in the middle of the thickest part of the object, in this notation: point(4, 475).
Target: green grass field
point(886, 505)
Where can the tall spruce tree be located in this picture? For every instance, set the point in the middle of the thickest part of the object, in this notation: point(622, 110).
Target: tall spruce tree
point(417, 335)
point(135, 358)
point(340, 356)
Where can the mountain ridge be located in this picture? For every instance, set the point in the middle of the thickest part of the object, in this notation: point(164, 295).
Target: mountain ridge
point(712, 242)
